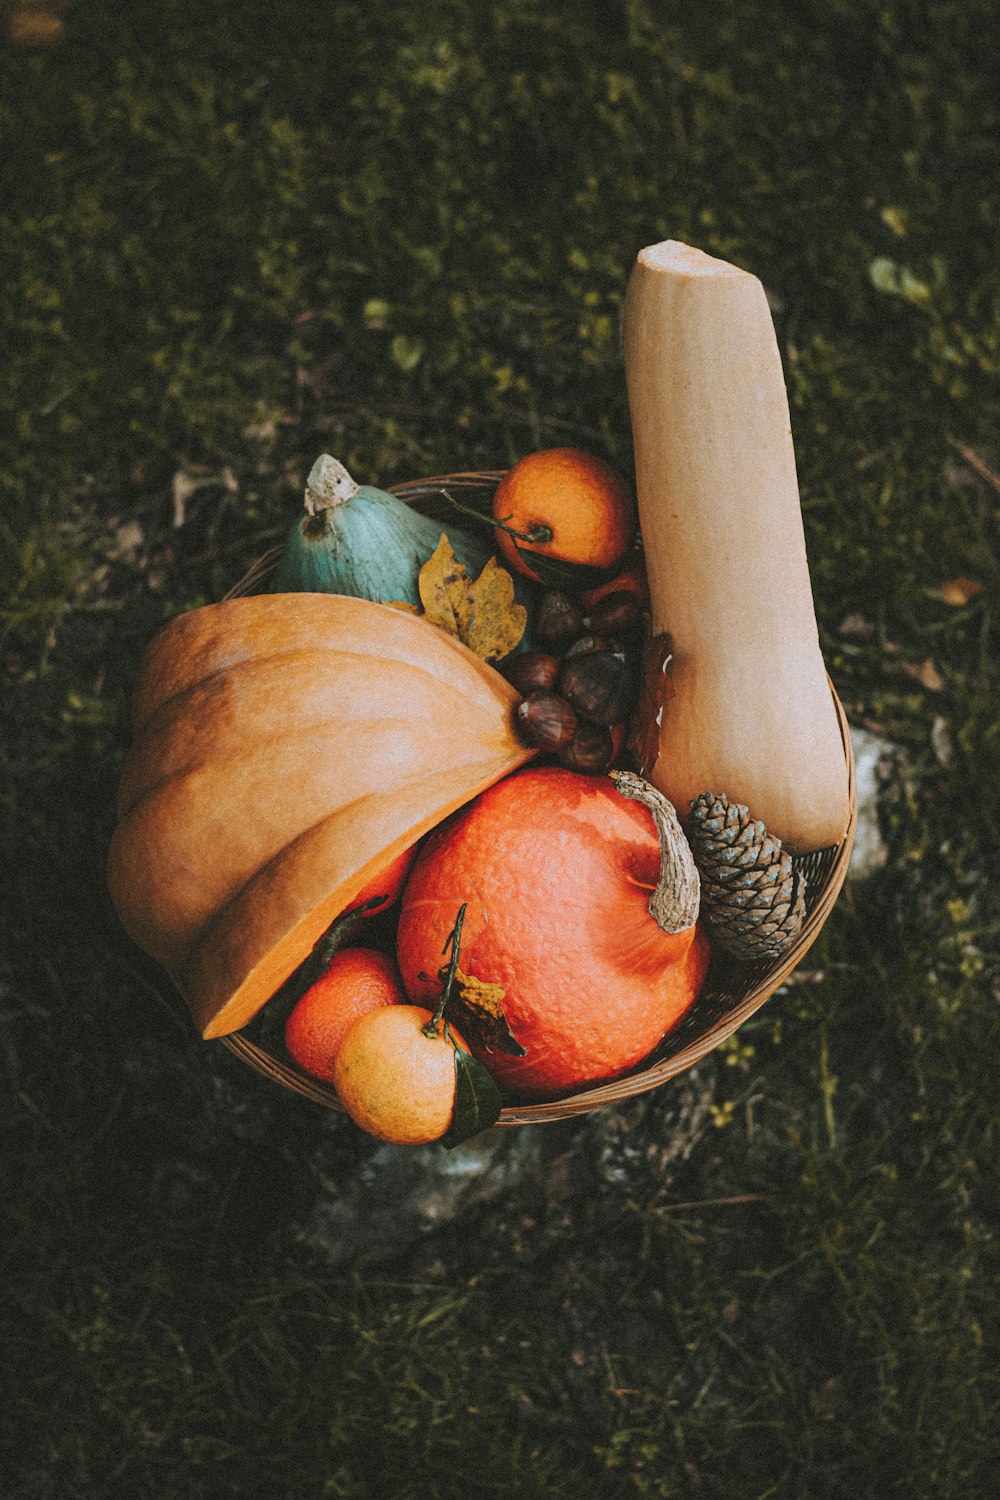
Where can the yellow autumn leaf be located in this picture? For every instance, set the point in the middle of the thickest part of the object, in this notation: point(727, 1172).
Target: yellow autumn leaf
point(441, 583)
point(482, 613)
point(492, 622)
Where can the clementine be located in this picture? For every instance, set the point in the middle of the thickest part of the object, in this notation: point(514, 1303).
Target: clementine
point(577, 508)
point(356, 982)
point(394, 1079)
point(557, 869)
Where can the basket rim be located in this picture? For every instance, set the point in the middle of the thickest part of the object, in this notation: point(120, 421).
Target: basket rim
point(641, 1079)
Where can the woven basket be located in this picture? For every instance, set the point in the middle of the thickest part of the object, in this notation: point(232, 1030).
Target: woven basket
point(732, 993)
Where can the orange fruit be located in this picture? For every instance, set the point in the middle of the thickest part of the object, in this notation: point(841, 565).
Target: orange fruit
point(394, 1080)
point(356, 982)
point(557, 869)
point(387, 886)
point(581, 502)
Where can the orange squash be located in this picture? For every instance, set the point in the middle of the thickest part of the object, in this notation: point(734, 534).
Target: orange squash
point(578, 906)
point(286, 749)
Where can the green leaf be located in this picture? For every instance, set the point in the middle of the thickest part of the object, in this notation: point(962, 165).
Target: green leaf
point(883, 274)
point(406, 352)
point(477, 1100)
point(328, 945)
point(574, 578)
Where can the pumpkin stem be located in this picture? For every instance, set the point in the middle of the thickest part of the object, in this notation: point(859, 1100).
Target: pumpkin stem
point(328, 485)
point(675, 903)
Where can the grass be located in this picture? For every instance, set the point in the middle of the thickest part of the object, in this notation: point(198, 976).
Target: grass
point(402, 235)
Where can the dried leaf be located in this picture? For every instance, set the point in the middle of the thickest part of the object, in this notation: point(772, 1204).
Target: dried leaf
point(959, 591)
point(441, 583)
point(481, 613)
point(477, 1008)
point(655, 691)
point(493, 623)
point(404, 605)
point(185, 484)
point(941, 742)
point(924, 672)
point(35, 25)
point(856, 627)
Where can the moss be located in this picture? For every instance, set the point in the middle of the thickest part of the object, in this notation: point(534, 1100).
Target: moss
point(402, 234)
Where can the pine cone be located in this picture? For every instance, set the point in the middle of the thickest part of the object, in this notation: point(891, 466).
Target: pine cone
point(753, 900)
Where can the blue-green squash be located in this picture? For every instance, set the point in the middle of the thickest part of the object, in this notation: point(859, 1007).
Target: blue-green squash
point(361, 541)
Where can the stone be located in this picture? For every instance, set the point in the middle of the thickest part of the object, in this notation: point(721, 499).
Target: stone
point(873, 756)
point(397, 1195)
point(394, 1197)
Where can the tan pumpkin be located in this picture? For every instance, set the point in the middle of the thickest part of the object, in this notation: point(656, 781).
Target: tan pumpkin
point(286, 748)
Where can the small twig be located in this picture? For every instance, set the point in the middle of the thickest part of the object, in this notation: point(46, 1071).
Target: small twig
point(243, 543)
point(537, 536)
point(714, 1202)
point(975, 463)
point(454, 942)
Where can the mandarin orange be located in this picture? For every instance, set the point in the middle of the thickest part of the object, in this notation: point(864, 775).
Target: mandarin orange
point(580, 508)
point(356, 982)
point(557, 869)
point(394, 1080)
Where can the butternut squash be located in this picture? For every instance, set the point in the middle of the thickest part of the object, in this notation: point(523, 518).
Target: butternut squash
point(286, 749)
point(752, 713)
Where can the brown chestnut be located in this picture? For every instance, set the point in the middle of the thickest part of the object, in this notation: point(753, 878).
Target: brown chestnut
point(588, 643)
point(598, 684)
point(614, 614)
point(591, 750)
point(545, 720)
point(558, 619)
point(531, 670)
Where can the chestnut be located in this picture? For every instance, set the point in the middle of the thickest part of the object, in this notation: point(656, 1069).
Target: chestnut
point(591, 750)
point(545, 720)
point(558, 619)
point(598, 684)
point(588, 643)
point(531, 670)
point(615, 614)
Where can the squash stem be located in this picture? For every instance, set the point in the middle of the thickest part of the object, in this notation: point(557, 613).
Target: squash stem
point(454, 942)
point(675, 903)
point(329, 485)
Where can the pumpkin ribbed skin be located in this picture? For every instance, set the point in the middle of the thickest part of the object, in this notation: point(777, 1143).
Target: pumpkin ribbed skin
point(286, 748)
